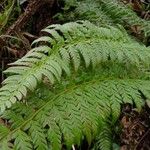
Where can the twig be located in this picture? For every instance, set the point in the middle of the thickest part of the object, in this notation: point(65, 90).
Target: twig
point(142, 138)
point(29, 12)
point(73, 147)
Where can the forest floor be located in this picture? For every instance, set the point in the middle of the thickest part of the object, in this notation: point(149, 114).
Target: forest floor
point(135, 133)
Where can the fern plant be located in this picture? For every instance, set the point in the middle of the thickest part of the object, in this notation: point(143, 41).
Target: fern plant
point(104, 12)
point(88, 73)
point(124, 15)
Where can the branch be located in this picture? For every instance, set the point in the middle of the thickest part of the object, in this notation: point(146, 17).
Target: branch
point(29, 12)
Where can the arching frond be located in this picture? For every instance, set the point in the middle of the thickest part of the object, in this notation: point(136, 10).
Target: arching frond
point(72, 115)
point(78, 43)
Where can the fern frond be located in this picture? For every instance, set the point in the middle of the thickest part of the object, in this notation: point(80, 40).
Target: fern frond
point(72, 43)
point(104, 138)
point(104, 12)
point(74, 114)
point(85, 10)
point(124, 15)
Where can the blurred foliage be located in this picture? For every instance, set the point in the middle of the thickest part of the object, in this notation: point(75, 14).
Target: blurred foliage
point(9, 11)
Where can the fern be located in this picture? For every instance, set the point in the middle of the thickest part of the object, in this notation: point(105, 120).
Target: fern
point(91, 72)
point(104, 12)
point(79, 40)
point(73, 114)
point(125, 16)
point(86, 9)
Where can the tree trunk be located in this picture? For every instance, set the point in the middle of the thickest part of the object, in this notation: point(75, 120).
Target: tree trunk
point(31, 9)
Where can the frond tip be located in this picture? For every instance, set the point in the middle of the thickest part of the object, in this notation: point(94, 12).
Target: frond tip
point(71, 43)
